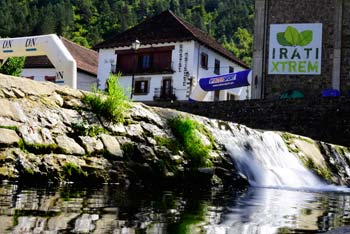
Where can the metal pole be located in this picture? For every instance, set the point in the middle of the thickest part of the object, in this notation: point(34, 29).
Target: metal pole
point(132, 84)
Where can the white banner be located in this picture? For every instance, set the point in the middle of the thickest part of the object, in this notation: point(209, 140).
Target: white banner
point(295, 49)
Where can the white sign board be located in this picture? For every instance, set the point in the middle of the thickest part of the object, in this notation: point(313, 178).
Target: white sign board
point(295, 49)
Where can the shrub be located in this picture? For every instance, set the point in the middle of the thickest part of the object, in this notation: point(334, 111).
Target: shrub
point(186, 131)
point(111, 104)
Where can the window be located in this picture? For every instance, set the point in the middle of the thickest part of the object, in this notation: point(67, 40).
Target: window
point(230, 97)
point(50, 78)
point(141, 87)
point(145, 61)
point(231, 69)
point(217, 67)
point(204, 60)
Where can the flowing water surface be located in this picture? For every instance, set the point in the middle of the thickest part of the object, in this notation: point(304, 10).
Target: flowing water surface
point(284, 197)
point(114, 209)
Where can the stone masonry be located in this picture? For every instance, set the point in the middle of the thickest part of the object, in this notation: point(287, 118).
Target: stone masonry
point(335, 71)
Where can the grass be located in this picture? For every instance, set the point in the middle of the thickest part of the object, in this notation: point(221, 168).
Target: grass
point(186, 131)
point(111, 104)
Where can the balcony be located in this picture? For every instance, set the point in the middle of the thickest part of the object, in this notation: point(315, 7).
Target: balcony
point(164, 94)
point(144, 71)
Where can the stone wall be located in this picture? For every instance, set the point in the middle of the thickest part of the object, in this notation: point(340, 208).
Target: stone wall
point(311, 11)
point(345, 66)
point(324, 119)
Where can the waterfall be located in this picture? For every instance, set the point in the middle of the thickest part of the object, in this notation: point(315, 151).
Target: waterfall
point(264, 159)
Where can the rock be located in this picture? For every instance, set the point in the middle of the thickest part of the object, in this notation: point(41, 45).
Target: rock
point(111, 145)
point(8, 122)
point(57, 99)
point(72, 103)
point(117, 129)
point(46, 136)
point(31, 133)
point(124, 140)
point(141, 112)
point(151, 141)
point(146, 152)
point(153, 129)
point(49, 118)
point(18, 93)
point(12, 110)
point(134, 130)
point(69, 146)
point(84, 224)
point(91, 144)
point(8, 137)
point(70, 116)
point(177, 159)
point(8, 93)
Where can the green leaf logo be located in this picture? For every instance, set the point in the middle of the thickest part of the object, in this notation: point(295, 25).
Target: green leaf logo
point(291, 37)
point(282, 39)
point(305, 38)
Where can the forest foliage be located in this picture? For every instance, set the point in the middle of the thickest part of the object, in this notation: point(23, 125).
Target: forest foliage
point(89, 22)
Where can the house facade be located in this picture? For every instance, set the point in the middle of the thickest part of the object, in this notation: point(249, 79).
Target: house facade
point(171, 57)
point(302, 46)
point(41, 69)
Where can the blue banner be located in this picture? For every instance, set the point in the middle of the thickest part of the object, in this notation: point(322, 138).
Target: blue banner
point(227, 81)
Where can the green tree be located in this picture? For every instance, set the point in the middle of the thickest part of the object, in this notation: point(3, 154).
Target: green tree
point(241, 45)
point(13, 66)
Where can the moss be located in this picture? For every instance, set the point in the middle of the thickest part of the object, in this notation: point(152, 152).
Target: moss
point(14, 128)
point(28, 171)
point(287, 137)
point(320, 171)
point(72, 171)
point(21, 145)
point(169, 143)
point(284, 230)
point(128, 149)
point(84, 129)
point(40, 148)
point(185, 131)
point(307, 140)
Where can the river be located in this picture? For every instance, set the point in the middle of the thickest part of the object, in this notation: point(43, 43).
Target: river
point(122, 210)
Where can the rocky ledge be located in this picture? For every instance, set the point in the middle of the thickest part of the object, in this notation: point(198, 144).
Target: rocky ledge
point(48, 134)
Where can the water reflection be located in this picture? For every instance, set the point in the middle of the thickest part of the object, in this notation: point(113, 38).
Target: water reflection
point(259, 211)
point(112, 209)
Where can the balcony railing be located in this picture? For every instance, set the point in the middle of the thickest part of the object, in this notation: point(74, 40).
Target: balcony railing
point(165, 94)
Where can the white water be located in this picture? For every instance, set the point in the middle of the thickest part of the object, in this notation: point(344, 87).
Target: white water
point(263, 158)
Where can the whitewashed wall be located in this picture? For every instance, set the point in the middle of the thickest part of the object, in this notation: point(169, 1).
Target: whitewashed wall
point(107, 57)
point(241, 93)
point(84, 81)
point(185, 63)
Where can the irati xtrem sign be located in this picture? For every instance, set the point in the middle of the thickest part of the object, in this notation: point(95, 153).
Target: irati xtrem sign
point(295, 49)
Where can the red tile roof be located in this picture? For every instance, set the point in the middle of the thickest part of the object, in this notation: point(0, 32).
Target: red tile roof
point(87, 60)
point(167, 27)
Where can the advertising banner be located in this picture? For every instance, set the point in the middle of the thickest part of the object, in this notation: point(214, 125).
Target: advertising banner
point(227, 81)
point(295, 49)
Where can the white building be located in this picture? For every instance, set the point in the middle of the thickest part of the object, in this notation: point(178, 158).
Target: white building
point(41, 69)
point(172, 56)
